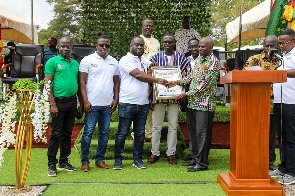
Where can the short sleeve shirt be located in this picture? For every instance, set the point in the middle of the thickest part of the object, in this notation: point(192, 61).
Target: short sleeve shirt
point(100, 84)
point(65, 76)
point(132, 90)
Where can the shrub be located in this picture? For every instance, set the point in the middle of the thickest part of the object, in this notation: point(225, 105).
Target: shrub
point(222, 114)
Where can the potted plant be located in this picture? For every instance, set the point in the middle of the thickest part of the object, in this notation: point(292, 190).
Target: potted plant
point(26, 99)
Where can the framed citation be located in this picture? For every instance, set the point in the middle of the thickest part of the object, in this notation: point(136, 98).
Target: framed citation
point(171, 73)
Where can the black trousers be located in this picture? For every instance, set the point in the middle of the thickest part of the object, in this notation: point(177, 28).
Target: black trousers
point(200, 128)
point(61, 131)
point(284, 115)
point(272, 140)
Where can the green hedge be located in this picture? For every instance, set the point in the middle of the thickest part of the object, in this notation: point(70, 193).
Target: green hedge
point(222, 114)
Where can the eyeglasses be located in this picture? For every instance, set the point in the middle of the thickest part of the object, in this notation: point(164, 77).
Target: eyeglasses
point(193, 47)
point(104, 45)
point(285, 43)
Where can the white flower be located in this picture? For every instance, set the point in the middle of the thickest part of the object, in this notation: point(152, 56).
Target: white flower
point(39, 118)
point(7, 115)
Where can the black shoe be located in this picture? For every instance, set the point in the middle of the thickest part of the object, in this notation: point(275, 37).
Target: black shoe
point(187, 158)
point(196, 168)
point(189, 163)
point(52, 171)
point(272, 167)
point(66, 166)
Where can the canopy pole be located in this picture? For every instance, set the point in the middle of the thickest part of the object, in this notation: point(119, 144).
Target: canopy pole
point(240, 25)
point(32, 21)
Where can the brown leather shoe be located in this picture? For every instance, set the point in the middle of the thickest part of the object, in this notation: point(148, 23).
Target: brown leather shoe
point(102, 165)
point(85, 167)
point(153, 159)
point(172, 160)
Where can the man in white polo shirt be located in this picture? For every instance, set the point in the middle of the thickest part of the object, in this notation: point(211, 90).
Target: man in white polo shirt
point(99, 87)
point(134, 103)
point(284, 110)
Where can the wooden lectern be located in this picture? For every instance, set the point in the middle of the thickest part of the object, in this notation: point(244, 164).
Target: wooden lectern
point(249, 133)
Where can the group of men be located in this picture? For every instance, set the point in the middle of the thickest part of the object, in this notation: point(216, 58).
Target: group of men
point(128, 85)
point(102, 84)
point(282, 124)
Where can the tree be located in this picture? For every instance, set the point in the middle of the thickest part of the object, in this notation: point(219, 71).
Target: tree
point(66, 21)
point(224, 11)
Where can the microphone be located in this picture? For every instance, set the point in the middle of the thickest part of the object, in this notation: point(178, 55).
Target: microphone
point(271, 54)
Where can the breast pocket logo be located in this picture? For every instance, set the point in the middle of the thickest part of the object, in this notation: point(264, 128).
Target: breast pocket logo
point(59, 66)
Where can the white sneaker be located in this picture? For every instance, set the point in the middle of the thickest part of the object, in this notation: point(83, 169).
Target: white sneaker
point(276, 173)
point(287, 179)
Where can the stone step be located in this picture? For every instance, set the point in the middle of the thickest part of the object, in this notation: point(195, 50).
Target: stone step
point(128, 149)
point(129, 143)
point(114, 127)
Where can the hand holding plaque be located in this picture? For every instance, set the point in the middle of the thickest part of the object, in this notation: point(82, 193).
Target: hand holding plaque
point(169, 74)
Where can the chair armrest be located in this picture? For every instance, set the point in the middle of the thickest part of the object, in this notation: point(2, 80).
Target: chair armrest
point(38, 68)
point(5, 66)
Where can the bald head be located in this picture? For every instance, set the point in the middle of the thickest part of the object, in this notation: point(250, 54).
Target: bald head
point(208, 40)
point(206, 46)
point(65, 46)
point(270, 41)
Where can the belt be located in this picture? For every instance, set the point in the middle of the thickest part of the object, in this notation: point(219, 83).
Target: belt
point(65, 98)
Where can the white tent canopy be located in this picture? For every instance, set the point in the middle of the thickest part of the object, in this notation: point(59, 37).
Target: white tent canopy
point(15, 28)
point(254, 23)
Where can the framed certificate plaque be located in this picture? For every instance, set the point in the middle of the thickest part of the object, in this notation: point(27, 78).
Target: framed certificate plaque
point(171, 73)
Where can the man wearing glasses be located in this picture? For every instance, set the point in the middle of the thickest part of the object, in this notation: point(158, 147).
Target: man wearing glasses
point(99, 87)
point(193, 50)
point(168, 57)
point(284, 110)
point(268, 60)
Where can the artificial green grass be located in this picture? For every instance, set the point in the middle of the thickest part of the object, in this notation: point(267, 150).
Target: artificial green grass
point(134, 189)
point(159, 172)
point(160, 178)
point(165, 178)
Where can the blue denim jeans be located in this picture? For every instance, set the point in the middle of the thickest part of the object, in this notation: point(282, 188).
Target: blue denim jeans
point(129, 113)
point(102, 115)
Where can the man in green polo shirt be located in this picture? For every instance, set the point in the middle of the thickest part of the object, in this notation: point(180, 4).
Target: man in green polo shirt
point(61, 72)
